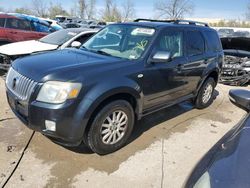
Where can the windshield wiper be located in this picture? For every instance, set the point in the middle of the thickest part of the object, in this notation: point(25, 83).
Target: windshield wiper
point(103, 53)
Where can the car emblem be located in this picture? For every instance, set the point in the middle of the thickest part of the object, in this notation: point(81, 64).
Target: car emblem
point(15, 82)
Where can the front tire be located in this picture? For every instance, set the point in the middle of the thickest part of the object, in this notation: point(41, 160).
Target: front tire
point(205, 95)
point(111, 127)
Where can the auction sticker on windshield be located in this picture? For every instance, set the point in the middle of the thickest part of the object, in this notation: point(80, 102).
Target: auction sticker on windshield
point(143, 31)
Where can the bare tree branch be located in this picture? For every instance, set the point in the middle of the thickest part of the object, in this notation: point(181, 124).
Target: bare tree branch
point(174, 9)
point(111, 13)
point(82, 6)
point(128, 10)
point(248, 11)
point(39, 7)
point(56, 9)
point(90, 9)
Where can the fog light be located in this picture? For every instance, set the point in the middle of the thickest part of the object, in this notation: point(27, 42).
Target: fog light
point(50, 125)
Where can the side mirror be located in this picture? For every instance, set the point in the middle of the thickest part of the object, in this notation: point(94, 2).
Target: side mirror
point(161, 57)
point(240, 98)
point(76, 44)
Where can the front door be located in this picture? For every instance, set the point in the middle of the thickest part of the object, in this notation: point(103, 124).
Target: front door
point(165, 82)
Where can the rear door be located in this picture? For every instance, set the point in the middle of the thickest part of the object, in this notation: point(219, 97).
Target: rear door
point(3, 37)
point(13, 32)
point(25, 27)
point(197, 59)
point(164, 82)
point(40, 30)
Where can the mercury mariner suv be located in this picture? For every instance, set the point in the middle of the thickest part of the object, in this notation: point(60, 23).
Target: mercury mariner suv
point(95, 94)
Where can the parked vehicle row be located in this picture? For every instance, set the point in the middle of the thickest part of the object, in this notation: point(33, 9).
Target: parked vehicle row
point(95, 94)
point(74, 22)
point(15, 28)
point(54, 41)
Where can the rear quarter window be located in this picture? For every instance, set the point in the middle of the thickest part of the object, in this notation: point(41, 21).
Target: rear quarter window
point(2, 22)
point(213, 43)
point(12, 23)
point(195, 43)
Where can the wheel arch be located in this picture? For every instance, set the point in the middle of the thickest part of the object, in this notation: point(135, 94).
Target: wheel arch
point(211, 74)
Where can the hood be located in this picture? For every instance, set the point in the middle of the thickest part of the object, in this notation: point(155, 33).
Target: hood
point(67, 63)
point(236, 43)
point(26, 47)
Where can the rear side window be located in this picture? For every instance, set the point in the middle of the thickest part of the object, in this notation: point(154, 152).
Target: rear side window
point(24, 25)
point(213, 41)
point(84, 38)
point(12, 23)
point(195, 43)
point(40, 27)
point(2, 22)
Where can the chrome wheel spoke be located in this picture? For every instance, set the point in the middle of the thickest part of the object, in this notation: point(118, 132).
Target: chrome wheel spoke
point(114, 137)
point(106, 136)
point(110, 137)
point(106, 125)
point(105, 131)
point(119, 134)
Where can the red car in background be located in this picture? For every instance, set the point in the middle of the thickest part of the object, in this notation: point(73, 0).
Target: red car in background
point(15, 29)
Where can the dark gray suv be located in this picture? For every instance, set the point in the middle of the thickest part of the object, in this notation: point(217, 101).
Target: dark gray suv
point(124, 72)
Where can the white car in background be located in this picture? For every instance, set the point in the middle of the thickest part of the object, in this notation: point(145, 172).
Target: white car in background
point(61, 39)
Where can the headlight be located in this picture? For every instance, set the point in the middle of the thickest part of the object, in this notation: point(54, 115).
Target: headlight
point(58, 92)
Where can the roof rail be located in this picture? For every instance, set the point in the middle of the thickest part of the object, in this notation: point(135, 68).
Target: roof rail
point(174, 21)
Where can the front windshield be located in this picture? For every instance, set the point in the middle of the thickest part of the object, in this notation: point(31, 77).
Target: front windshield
point(59, 37)
point(123, 41)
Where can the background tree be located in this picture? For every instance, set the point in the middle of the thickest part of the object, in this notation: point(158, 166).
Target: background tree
point(111, 13)
point(23, 10)
point(248, 12)
point(174, 9)
point(128, 12)
point(39, 7)
point(82, 6)
point(90, 9)
point(56, 9)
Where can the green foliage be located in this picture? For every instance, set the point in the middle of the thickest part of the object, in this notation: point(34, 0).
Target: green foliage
point(231, 23)
point(56, 9)
point(23, 10)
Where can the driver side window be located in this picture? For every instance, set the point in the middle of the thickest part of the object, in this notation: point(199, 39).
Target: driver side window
point(171, 41)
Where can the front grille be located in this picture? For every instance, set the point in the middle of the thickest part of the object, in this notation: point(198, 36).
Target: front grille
point(19, 85)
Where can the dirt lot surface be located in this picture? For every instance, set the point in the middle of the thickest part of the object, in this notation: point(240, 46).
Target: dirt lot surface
point(162, 152)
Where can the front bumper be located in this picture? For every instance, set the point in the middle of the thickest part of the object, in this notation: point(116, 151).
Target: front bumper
point(69, 130)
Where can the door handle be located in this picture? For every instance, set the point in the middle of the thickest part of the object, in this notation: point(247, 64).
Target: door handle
point(179, 68)
point(13, 32)
point(205, 61)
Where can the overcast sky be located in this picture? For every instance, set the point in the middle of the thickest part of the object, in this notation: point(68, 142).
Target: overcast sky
point(223, 9)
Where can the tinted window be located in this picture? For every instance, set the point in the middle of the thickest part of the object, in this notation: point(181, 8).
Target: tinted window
point(24, 25)
point(2, 21)
point(40, 27)
point(171, 41)
point(195, 43)
point(59, 37)
point(12, 23)
point(213, 41)
point(84, 38)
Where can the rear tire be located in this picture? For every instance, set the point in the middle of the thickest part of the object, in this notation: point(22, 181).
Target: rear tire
point(205, 94)
point(111, 127)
